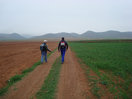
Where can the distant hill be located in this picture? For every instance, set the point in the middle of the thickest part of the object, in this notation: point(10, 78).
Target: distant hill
point(57, 35)
point(107, 35)
point(13, 36)
point(88, 35)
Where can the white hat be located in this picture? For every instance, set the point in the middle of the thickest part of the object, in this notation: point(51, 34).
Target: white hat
point(45, 41)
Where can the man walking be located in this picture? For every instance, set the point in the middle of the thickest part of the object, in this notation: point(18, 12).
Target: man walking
point(44, 49)
point(63, 46)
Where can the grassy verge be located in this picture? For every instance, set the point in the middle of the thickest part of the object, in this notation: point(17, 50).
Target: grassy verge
point(49, 87)
point(17, 77)
point(108, 61)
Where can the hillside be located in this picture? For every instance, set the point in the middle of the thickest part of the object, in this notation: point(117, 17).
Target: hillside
point(89, 35)
point(86, 35)
point(107, 35)
point(57, 35)
point(13, 36)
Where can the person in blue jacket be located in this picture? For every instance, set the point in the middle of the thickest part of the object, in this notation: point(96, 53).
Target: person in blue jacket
point(63, 46)
point(44, 49)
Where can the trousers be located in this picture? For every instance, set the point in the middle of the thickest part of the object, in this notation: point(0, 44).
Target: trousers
point(43, 54)
point(62, 54)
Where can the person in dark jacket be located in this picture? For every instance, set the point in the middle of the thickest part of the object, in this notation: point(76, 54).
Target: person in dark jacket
point(44, 49)
point(63, 46)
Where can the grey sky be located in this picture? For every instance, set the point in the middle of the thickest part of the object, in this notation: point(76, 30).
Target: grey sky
point(37, 17)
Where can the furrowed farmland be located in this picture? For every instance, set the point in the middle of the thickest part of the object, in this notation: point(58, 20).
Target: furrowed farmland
point(112, 63)
point(18, 56)
point(96, 69)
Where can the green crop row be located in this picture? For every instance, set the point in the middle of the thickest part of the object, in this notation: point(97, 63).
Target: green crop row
point(49, 87)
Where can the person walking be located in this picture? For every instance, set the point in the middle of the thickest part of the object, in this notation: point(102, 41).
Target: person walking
point(44, 49)
point(63, 47)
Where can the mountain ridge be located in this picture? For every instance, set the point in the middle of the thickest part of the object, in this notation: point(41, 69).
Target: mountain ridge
point(110, 34)
point(12, 36)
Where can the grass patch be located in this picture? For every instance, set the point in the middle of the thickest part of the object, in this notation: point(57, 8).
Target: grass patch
point(11, 81)
point(16, 78)
point(114, 59)
point(49, 87)
point(31, 68)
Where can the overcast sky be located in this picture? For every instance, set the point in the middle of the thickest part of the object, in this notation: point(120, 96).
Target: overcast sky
point(36, 17)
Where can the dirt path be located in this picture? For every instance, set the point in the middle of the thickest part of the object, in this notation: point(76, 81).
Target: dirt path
point(29, 85)
point(73, 83)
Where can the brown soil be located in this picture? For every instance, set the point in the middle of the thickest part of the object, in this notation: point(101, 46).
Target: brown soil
point(17, 56)
point(73, 82)
point(28, 86)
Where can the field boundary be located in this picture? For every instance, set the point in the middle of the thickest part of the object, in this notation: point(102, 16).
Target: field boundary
point(19, 77)
point(94, 89)
point(115, 87)
point(104, 41)
point(96, 83)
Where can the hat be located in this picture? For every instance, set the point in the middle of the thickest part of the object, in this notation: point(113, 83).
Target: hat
point(45, 41)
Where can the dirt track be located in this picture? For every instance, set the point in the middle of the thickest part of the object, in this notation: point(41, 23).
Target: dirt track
point(28, 86)
point(73, 83)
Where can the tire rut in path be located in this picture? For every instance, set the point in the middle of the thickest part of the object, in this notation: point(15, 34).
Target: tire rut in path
point(30, 84)
point(73, 83)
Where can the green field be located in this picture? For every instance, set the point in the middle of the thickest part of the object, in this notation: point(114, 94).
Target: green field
point(111, 61)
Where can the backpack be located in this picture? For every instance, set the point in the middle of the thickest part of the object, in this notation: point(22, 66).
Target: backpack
point(62, 44)
point(43, 47)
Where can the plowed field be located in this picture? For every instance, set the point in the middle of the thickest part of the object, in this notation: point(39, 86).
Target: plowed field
point(18, 56)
